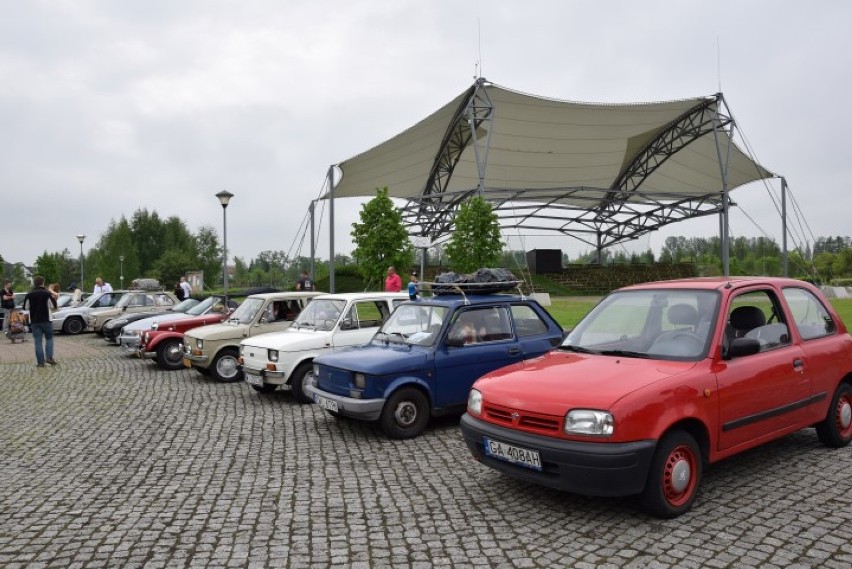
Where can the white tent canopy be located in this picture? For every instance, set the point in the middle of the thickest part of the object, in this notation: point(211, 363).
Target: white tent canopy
point(601, 173)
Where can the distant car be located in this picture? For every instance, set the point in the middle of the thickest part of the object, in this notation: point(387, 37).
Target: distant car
point(135, 301)
point(213, 350)
point(330, 322)
point(661, 379)
point(112, 329)
point(164, 342)
point(424, 359)
point(73, 320)
point(131, 333)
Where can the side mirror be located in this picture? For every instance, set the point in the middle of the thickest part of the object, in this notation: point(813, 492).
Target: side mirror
point(741, 347)
point(347, 324)
point(455, 342)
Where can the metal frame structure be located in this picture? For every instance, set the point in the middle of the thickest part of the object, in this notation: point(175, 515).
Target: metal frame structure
point(598, 216)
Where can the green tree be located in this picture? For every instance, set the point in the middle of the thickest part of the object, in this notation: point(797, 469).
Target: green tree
point(209, 254)
point(49, 266)
point(476, 240)
point(381, 239)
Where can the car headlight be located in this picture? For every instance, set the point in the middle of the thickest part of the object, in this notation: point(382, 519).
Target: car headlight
point(145, 338)
point(360, 380)
point(199, 343)
point(474, 402)
point(316, 371)
point(155, 325)
point(272, 355)
point(588, 422)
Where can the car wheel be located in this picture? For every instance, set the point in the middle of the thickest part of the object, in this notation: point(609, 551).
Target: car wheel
point(73, 326)
point(335, 414)
point(170, 354)
point(674, 477)
point(303, 375)
point(205, 371)
point(225, 367)
point(836, 430)
point(265, 388)
point(405, 414)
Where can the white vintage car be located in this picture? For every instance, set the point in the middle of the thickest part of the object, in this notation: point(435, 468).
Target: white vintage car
point(329, 323)
point(213, 350)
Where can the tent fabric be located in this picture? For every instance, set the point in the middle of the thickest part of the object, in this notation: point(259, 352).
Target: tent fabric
point(539, 144)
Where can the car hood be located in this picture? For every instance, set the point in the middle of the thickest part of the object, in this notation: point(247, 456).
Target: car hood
point(221, 331)
point(557, 381)
point(376, 360)
point(290, 340)
point(187, 323)
point(145, 323)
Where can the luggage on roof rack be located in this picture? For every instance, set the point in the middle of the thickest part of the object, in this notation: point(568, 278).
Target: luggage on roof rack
point(483, 281)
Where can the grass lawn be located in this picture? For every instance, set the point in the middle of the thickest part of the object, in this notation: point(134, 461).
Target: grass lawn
point(569, 310)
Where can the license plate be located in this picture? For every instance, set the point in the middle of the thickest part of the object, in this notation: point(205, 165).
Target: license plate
point(326, 403)
point(510, 453)
point(187, 363)
point(252, 379)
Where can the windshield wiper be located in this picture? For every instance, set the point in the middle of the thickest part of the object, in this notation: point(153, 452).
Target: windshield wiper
point(578, 349)
point(625, 353)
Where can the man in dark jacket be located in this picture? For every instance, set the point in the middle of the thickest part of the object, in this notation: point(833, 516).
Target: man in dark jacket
point(37, 300)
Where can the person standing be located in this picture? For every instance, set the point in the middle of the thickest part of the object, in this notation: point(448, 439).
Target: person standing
point(304, 282)
point(179, 292)
point(8, 303)
point(393, 282)
point(101, 286)
point(39, 300)
point(412, 286)
point(187, 289)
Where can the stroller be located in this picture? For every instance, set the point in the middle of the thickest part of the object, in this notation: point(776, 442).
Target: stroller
point(17, 326)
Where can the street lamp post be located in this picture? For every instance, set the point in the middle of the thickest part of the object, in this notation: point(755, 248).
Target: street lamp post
point(224, 197)
point(81, 238)
point(121, 266)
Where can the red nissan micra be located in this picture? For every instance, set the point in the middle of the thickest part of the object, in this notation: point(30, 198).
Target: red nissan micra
point(661, 379)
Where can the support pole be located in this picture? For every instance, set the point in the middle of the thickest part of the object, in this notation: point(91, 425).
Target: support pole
point(331, 228)
point(784, 225)
point(723, 167)
point(313, 242)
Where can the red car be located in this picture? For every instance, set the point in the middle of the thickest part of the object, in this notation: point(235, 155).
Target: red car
point(659, 380)
point(165, 341)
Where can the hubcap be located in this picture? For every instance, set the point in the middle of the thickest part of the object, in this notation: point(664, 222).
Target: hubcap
point(678, 479)
point(680, 475)
point(405, 413)
point(227, 367)
point(844, 413)
point(174, 352)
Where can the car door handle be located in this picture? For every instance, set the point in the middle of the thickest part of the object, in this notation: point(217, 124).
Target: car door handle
point(514, 351)
point(798, 363)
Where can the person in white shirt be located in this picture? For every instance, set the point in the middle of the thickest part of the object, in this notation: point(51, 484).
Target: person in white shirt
point(101, 286)
point(187, 289)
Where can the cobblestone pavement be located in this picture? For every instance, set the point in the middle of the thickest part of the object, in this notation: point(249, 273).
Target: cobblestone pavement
point(107, 461)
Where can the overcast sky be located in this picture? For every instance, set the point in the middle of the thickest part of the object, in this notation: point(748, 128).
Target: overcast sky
point(107, 107)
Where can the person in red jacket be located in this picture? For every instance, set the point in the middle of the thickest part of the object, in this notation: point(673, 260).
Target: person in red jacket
point(393, 282)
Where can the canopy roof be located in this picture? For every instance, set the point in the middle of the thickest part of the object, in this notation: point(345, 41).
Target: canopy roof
point(602, 173)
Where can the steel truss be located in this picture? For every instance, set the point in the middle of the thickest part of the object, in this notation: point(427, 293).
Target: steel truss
point(613, 215)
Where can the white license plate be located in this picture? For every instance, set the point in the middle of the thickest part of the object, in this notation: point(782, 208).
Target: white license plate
point(252, 379)
point(326, 403)
point(510, 453)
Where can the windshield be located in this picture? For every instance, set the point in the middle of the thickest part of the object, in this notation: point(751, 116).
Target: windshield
point(416, 324)
point(63, 300)
point(320, 314)
point(660, 324)
point(209, 304)
point(246, 312)
point(184, 305)
point(103, 299)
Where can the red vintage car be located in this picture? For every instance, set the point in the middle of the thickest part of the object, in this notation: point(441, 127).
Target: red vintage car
point(164, 342)
point(662, 379)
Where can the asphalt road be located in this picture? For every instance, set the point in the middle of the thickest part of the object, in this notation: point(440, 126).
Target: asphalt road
point(106, 461)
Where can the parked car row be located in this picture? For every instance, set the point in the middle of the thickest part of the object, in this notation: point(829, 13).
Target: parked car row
point(657, 382)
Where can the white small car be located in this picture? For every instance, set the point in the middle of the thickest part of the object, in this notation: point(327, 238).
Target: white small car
point(330, 322)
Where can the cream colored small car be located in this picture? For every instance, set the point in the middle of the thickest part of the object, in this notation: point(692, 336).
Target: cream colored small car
point(213, 350)
point(131, 303)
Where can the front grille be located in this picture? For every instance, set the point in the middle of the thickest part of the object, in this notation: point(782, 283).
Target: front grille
point(522, 419)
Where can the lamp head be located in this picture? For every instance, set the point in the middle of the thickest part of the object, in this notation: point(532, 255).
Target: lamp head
point(80, 238)
point(224, 197)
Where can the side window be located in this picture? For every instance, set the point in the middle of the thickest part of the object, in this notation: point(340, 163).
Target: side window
point(366, 314)
point(527, 321)
point(478, 325)
point(811, 317)
point(757, 315)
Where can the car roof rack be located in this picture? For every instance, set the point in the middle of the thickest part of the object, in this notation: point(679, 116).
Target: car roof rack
point(497, 287)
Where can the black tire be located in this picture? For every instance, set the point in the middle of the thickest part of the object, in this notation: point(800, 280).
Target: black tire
point(674, 477)
point(225, 368)
point(836, 430)
point(265, 388)
point(170, 354)
point(405, 414)
point(335, 414)
point(73, 325)
point(205, 371)
point(304, 373)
